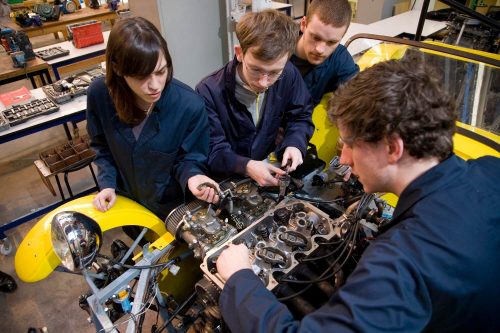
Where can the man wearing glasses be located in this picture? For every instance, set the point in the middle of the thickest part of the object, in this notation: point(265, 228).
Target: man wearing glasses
point(252, 96)
point(322, 61)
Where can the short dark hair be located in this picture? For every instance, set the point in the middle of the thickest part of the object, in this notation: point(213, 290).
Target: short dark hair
point(332, 12)
point(398, 97)
point(133, 49)
point(272, 34)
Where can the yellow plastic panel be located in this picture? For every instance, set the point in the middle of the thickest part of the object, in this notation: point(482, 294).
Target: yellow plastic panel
point(325, 134)
point(381, 52)
point(468, 148)
point(35, 258)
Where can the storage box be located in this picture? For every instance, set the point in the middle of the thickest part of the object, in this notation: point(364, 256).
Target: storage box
point(86, 34)
point(72, 154)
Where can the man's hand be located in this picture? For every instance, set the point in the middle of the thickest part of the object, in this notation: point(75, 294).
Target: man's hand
point(205, 193)
point(294, 155)
point(264, 173)
point(105, 199)
point(233, 259)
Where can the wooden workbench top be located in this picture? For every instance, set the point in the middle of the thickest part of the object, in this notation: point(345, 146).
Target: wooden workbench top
point(7, 69)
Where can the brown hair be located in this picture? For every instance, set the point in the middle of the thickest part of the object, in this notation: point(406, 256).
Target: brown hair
point(332, 12)
point(271, 33)
point(397, 97)
point(133, 49)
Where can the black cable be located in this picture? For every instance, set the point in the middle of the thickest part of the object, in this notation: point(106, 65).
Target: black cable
point(328, 277)
point(331, 243)
point(286, 298)
point(321, 278)
point(317, 201)
point(180, 257)
point(348, 238)
point(308, 259)
point(332, 265)
point(176, 312)
point(363, 202)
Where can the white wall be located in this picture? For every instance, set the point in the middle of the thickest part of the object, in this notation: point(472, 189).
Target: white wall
point(196, 34)
point(370, 11)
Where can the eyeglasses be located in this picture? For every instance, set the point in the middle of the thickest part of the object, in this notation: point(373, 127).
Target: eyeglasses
point(257, 73)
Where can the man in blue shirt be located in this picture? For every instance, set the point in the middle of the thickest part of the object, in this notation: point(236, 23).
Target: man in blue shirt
point(252, 96)
point(435, 266)
point(322, 61)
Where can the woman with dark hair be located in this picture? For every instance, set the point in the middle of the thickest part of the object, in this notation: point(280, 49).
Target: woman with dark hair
point(149, 131)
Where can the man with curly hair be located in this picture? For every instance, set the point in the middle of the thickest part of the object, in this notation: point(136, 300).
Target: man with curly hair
point(434, 267)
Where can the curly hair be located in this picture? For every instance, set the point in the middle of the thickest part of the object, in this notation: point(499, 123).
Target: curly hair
point(397, 97)
point(272, 34)
point(133, 49)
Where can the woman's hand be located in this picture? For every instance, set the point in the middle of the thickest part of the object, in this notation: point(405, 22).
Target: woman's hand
point(105, 199)
point(202, 191)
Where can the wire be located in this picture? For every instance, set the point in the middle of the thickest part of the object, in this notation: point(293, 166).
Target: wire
point(322, 277)
point(145, 307)
point(348, 238)
point(176, 312)
point(162, 265)
point(318, 201)
point(307, 259)
point(352, 236)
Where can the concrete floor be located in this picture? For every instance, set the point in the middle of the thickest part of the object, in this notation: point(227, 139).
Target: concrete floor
point(52, 302)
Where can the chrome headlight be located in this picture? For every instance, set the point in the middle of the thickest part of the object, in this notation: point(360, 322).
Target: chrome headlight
point(76, 239)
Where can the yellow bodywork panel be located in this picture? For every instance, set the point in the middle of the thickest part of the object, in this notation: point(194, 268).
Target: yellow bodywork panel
point(460, 48)
point(325, 134)
point(35, 258)
point(381, 52)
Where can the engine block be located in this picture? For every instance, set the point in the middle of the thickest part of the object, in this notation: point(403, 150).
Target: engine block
point(290, 229)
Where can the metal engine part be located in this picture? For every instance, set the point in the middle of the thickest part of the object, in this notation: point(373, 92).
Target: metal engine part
point(293, 227)
point(203, 228)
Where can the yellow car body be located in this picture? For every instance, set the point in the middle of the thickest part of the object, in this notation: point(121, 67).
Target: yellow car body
point(35, 258)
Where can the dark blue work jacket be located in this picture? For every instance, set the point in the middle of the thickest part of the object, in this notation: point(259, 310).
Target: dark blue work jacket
point(172, 146)
point(327, 76)
point(234, 139)
point(436, 268)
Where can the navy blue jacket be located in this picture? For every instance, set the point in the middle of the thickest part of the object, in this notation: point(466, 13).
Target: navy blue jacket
point(327, 76)
point(234, 139)
point(435, 269)
point(172, 147)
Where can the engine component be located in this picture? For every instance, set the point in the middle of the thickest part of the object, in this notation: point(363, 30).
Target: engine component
point(274, 246)
point(203, 228)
